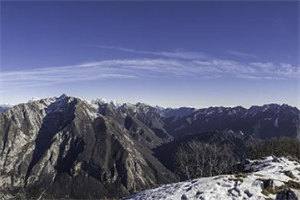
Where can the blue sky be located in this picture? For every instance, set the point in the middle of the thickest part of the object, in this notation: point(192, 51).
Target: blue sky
point(163, 53)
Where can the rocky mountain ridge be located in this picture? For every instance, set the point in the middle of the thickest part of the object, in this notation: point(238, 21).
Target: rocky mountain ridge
point(65, 147)
point(271, 120)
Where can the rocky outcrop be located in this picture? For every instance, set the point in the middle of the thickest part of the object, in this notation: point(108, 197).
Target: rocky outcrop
point(265, 179)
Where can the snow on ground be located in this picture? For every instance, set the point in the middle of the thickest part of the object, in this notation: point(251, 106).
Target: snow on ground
point(253, 185)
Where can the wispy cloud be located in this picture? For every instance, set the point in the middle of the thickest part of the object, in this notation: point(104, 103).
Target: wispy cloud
point(56, 75)
point(240, 54)
point(168, 64)
point(168, 54)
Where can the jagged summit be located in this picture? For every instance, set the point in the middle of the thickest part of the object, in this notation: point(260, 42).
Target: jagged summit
point(264, 121)
point(56, 143)
point(169, 112)
point(63, 96)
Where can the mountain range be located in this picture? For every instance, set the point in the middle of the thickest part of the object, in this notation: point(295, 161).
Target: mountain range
point(66, 147)
point(4, 108)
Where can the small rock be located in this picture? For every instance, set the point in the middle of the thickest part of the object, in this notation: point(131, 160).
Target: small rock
point(188, 189)
point(198, 193)
point(248, 193)
point(293, 184)
point(268, 184)
point(184, 197)
point(289, 174)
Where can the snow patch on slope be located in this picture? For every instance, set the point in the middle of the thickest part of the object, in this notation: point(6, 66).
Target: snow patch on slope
point(248, 185)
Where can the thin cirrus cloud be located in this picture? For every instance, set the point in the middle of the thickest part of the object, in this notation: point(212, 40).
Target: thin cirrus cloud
point(167, 64)
point(240, 54)
point(168, 54)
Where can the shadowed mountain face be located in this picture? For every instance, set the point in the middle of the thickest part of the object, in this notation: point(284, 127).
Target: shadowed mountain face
point(63, 147)
point(67, 148)
point(235, 146)
point(260, 121)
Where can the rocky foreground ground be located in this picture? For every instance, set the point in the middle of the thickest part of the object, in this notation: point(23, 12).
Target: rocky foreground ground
point(270, 178)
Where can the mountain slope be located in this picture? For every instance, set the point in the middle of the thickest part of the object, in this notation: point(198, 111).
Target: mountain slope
point(68, 148)
point(266, 121)
point(64, 148)
point(262, 179)
point(196, 153)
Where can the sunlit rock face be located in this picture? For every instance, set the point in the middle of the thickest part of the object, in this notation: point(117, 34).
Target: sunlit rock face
point(65, 148)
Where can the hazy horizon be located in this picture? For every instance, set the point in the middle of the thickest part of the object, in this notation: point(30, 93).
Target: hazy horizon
point(171, 54)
